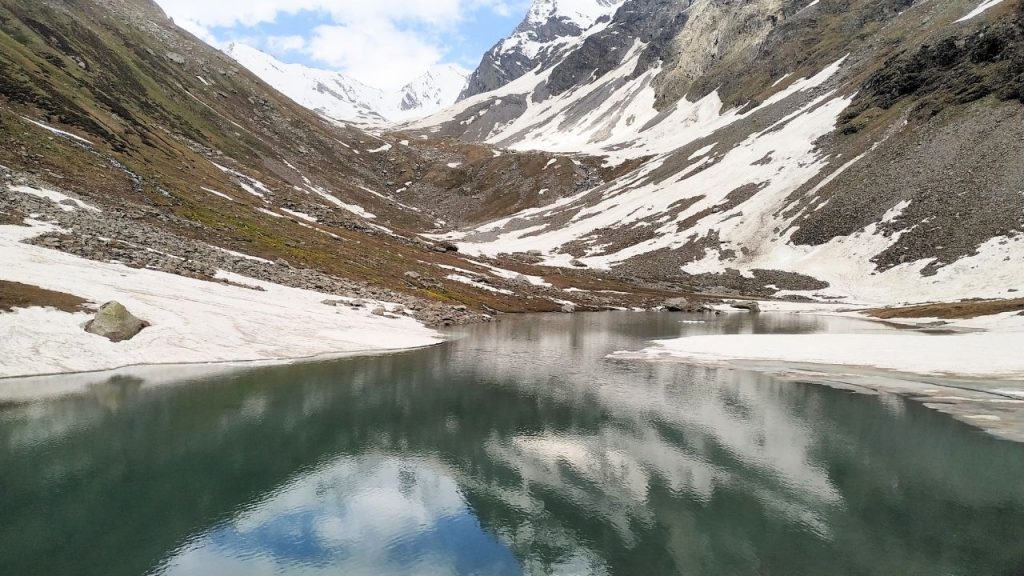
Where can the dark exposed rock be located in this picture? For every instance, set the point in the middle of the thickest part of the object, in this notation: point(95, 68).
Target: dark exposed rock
point(953, 70)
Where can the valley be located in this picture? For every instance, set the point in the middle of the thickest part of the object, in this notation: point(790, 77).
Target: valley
point(473, 287)
point(607, 155)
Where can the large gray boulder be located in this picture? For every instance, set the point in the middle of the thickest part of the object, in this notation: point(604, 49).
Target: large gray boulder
point(752, 307)
point(115, 323)
point(677, 305)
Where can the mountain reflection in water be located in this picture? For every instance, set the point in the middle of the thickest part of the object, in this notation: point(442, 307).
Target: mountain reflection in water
point(516, 448)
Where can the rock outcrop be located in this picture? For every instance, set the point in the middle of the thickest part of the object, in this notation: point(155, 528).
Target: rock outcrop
point(677, 305)
point(752, 307)
point(115, 323)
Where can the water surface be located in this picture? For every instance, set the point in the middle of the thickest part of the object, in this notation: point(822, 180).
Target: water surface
point(516, 449)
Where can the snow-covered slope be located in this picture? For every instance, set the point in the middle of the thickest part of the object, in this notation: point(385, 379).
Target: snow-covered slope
point(192, 320)
point(340, 97)
point(749, 167)
point(435, 90)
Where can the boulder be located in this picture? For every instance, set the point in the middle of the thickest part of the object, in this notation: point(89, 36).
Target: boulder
point(753, 307)
point(445, 247)
point(115, 323)
point(677, 305)
point(568, 307)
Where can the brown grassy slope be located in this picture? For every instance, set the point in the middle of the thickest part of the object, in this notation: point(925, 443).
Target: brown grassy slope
point(951, 310)
point(16, 295)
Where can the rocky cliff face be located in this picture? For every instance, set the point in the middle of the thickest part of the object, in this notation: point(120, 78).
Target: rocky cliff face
point(813, 148)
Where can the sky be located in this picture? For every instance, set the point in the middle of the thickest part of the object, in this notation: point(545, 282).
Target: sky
point(382, 43)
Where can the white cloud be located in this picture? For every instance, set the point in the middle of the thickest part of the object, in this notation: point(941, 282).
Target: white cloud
point(197, 29)
point(374, 52)
point(384, 43)
point(285, 44)
point(229, 13)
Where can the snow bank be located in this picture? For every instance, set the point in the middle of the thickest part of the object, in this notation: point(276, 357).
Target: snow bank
point(192, 320)
point(993, 355)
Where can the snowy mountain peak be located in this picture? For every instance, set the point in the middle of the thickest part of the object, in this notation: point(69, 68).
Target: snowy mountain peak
point(583, 13)
point(436, 89)
point(549, 29)
point(342, 97)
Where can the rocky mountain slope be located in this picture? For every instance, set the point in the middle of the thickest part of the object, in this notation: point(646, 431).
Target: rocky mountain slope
point(837, 149)
point(128, 140)
point(340, 97)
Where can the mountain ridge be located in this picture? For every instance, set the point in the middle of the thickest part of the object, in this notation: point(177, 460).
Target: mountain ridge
point(344, 98)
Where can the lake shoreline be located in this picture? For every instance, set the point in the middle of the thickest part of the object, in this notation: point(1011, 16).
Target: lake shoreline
point(41, 387)
point(987, 392)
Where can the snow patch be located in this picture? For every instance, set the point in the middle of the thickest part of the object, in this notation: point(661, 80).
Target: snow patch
point(62, 200)
point(58, 132)
point(247, 183)
point(299, 215)
point(981, 8)
point(216, 193)
point(469, 281)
